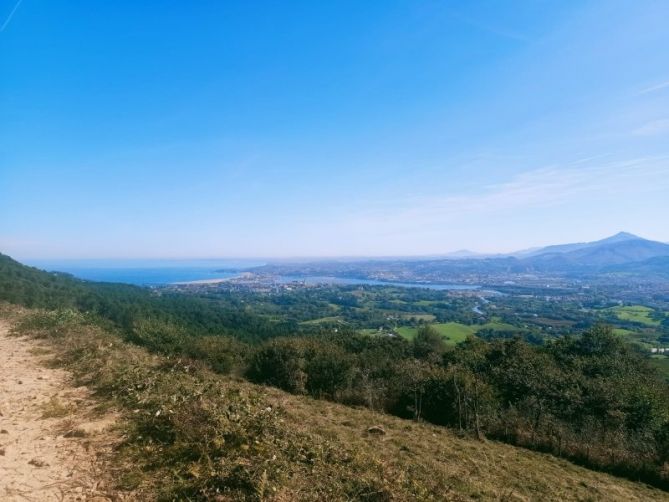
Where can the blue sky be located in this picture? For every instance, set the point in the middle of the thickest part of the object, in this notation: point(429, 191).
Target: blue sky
point(260, 129)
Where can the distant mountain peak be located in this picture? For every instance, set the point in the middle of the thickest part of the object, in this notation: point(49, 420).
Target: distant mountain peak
point(622, 247)
point(621, 236)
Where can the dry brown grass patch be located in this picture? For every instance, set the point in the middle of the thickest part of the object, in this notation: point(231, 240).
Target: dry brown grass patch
point(55, 408)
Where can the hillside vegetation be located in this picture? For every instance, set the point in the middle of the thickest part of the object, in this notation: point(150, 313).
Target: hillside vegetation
point(126, 307)
point(592, 399)
point(193, 434)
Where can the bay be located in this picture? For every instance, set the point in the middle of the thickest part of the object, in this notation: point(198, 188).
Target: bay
point(146, 272)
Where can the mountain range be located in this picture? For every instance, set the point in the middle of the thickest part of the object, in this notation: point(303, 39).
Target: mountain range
point(619, 249)
point(623, 254)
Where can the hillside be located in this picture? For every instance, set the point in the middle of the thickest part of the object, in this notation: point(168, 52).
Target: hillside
point(567, 248)
point(125, 306)
point(651, 269)
point(193, 434)
point(618, 249)
point(592, 398)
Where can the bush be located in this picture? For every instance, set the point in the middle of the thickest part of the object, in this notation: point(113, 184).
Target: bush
point(280, 363)
point(222, 354)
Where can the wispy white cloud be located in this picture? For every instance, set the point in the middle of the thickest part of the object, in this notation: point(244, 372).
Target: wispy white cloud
point(11, 15)
point(655, 88)
point(653, 128)
point(531, 190)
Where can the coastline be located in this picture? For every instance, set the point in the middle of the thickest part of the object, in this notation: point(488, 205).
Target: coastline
point(202, 281)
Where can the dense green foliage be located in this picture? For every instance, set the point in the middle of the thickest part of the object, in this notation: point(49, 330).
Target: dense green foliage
point(133, 309)
point(593, 398)
point(189, 434)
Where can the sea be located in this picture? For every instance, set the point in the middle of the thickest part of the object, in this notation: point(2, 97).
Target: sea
point(163, 272)
point(146, 272)
point(373, 282)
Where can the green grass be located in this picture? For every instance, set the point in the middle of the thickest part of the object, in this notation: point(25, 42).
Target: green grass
point(455, 332)
point(499, 326)
point(646, 338)
point(407, 332)
point(635, 313)
point(425, 303)
point(623, 332)
point(323, 320)
point(553, 323)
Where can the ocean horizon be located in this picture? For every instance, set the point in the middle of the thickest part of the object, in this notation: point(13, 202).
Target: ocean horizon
point(146, 272)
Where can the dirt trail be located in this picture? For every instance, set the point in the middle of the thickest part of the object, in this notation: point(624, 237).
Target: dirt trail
point(52, 443)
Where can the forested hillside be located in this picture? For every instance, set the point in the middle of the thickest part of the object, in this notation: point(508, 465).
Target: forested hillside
point(128, 307)
point(592, 398)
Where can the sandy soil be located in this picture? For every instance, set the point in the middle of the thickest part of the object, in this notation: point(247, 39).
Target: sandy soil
point(53, 444)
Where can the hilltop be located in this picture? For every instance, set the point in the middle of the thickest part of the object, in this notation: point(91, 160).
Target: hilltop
point(193, 434)
point(567, 248)
point(621, 248)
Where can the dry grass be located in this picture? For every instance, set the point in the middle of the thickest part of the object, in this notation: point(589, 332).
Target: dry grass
point(55, 408)
point(194, 435)
point(437, 461)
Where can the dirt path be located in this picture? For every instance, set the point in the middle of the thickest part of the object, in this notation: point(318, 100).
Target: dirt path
point(52, 442)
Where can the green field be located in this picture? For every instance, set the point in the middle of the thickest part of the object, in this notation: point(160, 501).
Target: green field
point(646, 338)
point(425, 303)
point(455, 332)
point(324, 320)
point(499, 326)
point(623, 332)
point(635, 313)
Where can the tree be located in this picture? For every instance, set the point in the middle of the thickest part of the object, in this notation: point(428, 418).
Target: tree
point(428, 344)
point(328, 369)
point(280, 363)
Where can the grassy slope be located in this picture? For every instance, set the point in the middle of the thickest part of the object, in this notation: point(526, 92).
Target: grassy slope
point(455, 332)
point(462, 467)
point(635, 313)
point(215, 433)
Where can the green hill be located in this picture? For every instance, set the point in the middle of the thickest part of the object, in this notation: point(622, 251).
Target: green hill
point(195, 435)
point(196, 430)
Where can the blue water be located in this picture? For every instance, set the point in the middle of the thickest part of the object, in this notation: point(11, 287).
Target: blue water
point(161, 272)
point(144, 272)
point(373, 282)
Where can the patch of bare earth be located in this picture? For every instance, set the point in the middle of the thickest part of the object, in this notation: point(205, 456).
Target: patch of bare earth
point(53, 442)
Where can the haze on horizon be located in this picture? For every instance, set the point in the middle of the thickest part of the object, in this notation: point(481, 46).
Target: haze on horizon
point(308, 129)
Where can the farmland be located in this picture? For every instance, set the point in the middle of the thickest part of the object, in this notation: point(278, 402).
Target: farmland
point(454, 332)
point(636, 313)
point(526, 312)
